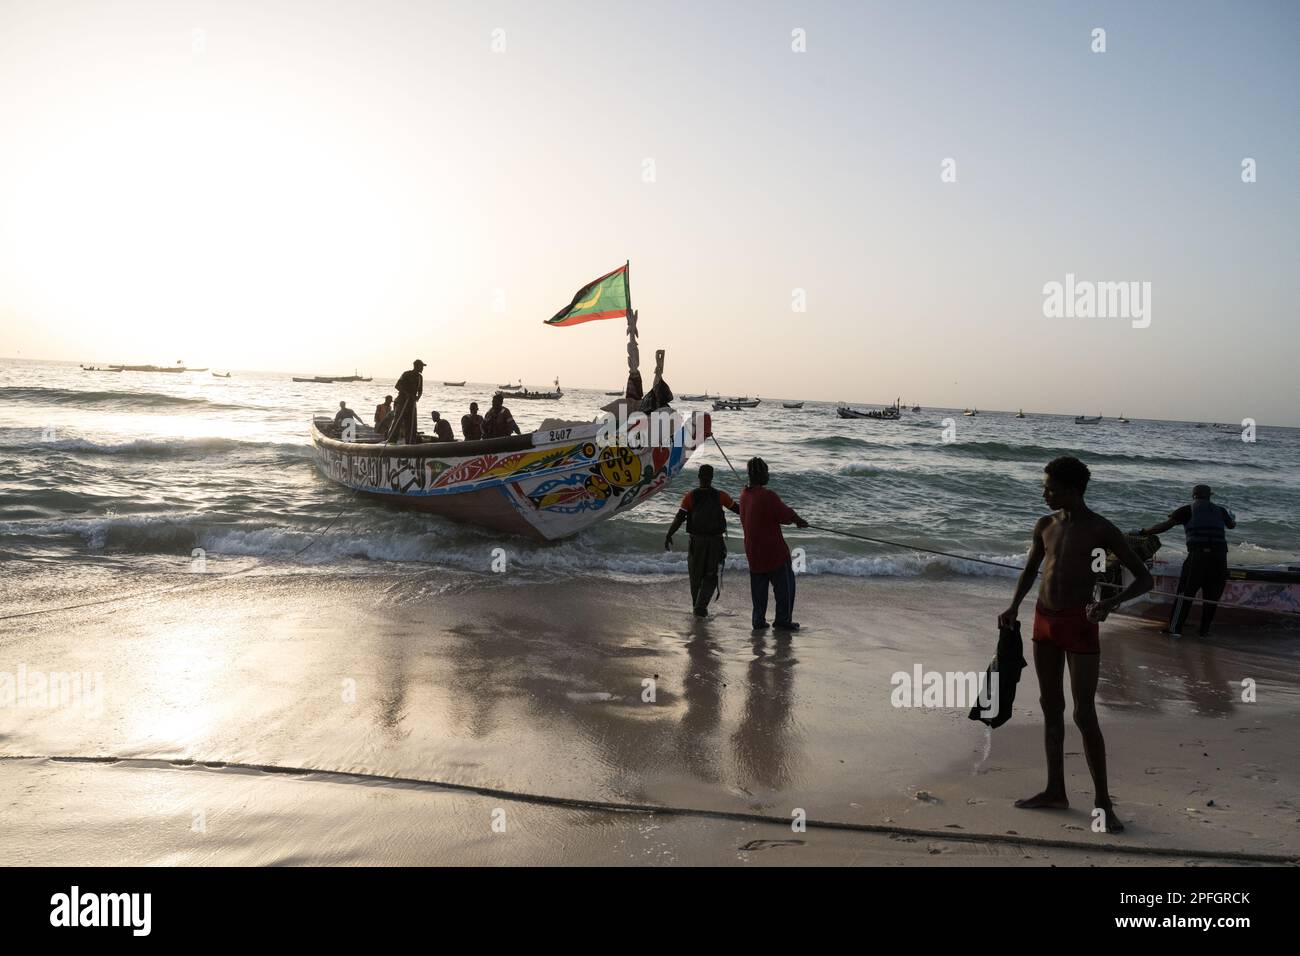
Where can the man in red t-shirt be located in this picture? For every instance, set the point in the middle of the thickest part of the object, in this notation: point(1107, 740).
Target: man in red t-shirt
point(762, 512)
point(701, 510)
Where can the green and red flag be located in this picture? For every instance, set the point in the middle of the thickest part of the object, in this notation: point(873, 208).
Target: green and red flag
point(604, 298)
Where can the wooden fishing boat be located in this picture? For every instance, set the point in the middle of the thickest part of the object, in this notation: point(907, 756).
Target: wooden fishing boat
point(1020, 413)
point(725, 406)
point(93, 368)
point(1084, 420)
point(792, 404)
point(619, 392)
point(219, 375)
point(453, 384)
point(149, 368)
point(318, 379)
point(548, 484)
point(1259, 593)
point(916, 408)
point(706, 397)
point(889, 414)
point(511, 388)
point(970, 411)
point(540, 396)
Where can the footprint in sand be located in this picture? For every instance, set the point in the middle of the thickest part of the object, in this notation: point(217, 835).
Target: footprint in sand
point(753, 845)
point(590, 697)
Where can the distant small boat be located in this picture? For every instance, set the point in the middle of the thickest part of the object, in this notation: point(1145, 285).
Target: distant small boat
point(93, 368)
point(916, 408)
point(541, 396)
point(1122, 420)
point(706, 397)
point(971, 411)
point(619, 392)
point(886, 415)
point(453, 384)
point(1020, 414)
point(149, 368)
point(1082, 420)
point(726, 406)
point(510, 388)
point(743, 402)
point(219, 375)
point(792, 404)
point(319, 379)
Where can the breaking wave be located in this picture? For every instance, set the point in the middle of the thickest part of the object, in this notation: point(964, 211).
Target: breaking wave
point(115, 399)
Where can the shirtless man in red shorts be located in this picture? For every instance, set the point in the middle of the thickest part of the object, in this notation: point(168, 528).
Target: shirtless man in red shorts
point(1067, 544)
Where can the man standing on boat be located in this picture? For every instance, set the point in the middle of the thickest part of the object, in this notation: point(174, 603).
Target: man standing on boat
point(701, 510)
point(1206, 566)
point(498, 422)
point(409, 389)
point(762, 512)
point(471, 425)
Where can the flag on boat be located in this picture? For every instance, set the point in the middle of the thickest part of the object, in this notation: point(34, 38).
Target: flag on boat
point(603, 298)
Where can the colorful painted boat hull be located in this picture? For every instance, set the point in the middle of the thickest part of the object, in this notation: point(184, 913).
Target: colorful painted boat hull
point(549, 485)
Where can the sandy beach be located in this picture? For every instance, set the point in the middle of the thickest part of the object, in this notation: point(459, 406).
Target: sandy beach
point(429, 718)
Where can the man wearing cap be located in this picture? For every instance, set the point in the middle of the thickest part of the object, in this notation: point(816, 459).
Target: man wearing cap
point(409, 389)
point(1206, 567)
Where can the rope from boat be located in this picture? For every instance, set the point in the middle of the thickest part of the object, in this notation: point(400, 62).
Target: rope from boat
point(652, 809)
point(1012, 567)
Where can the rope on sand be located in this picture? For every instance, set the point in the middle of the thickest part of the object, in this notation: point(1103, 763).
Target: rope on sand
point(651, 809)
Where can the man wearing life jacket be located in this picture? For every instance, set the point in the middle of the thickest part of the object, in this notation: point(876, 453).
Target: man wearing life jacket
point(701, 510)
point(471, 425)
point(762, 512)
point(498, 422)
point(409, 389)
point(1206, 566)
point(382, 412)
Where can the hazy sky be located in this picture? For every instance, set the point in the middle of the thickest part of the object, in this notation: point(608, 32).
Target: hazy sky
point(318, 186)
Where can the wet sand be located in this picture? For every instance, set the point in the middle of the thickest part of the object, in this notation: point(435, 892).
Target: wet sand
point(514, 689)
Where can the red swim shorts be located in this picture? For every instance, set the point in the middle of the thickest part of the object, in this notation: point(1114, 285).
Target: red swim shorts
point(1068, 629)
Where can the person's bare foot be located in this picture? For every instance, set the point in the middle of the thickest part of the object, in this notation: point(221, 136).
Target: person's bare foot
point(1113, 823)
point(1044, 801)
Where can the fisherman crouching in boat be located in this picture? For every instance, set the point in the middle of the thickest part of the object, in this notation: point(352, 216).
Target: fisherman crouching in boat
point(441, 428)
point(498, 422)
point(1206, 567)
point(701, 510)
point(402, 423)
point(345, 415)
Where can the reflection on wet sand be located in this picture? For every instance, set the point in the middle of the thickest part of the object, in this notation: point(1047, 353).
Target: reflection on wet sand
point(702, 693)
point(763, 741)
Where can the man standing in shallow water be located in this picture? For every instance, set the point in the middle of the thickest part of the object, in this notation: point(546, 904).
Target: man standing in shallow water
point(1067, 544)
